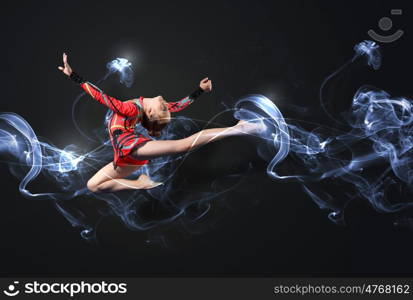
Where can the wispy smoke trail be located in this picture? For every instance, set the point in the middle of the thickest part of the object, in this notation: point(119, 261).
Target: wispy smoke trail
point(379, 132)
point(124, 68)
point(70, 168)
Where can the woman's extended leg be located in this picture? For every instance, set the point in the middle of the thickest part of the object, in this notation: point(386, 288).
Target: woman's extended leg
point(153, 149)
point(108, 179)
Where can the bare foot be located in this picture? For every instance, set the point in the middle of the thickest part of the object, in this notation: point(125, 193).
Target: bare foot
point(145, 183)
point(250, 127)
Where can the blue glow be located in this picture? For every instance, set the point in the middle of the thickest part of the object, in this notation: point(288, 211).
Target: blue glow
point(381, 123)
point(124, 68)
point(70, 168)
point(371, 50)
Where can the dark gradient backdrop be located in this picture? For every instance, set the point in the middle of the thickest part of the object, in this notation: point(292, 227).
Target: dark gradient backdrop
point(282, 49)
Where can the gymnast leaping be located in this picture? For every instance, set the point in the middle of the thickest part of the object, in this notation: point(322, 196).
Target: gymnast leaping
point(132, 150)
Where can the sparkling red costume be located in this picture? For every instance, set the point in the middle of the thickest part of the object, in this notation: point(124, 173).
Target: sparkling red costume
point(123, 120)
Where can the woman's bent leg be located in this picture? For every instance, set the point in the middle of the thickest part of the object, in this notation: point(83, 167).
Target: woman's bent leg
point(108, 179)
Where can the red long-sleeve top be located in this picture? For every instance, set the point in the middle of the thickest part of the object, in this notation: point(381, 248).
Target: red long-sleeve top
point(126, 114)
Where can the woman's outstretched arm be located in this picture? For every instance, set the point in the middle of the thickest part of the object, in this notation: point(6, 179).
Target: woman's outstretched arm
point(204, 86)
point(129, 109)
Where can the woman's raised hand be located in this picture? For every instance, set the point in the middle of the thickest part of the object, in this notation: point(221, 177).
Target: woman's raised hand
point(66, 69)
point(206, 85)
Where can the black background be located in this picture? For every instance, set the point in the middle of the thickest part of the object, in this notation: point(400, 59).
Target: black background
point(283, 49)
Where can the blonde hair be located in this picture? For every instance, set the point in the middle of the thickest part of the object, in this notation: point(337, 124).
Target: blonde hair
point(155, 127)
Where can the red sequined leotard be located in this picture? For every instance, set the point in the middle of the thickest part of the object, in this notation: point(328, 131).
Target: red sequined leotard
point(123, 120)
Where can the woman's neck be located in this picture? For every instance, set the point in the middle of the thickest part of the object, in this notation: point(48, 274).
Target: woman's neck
point(145, 105)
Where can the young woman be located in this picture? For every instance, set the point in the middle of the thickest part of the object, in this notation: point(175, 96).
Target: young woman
point(132, 150)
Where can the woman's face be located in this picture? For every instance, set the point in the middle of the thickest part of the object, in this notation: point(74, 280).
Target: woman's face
point(157, 109)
